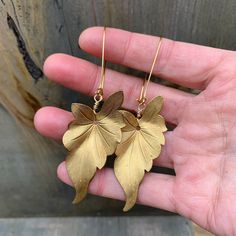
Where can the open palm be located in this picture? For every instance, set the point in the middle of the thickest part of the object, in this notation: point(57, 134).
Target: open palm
point(202, 147)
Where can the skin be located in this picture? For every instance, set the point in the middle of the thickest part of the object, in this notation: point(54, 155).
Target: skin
point(202, 147)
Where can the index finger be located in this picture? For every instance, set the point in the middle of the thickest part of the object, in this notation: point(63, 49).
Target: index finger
point(182, 63)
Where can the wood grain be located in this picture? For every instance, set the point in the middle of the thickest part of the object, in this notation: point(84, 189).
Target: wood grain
point(124, 226)
point(32, 30)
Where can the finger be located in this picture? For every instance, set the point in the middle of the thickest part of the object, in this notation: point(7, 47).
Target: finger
point(53, 122)
point(84, 76)
point(182, 63)
point(155, 189)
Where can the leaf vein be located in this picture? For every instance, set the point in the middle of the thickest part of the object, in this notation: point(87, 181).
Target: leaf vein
point(148, 142)
point(102, 136)
point(106, 130)
point(142, 150)
point(84, 133)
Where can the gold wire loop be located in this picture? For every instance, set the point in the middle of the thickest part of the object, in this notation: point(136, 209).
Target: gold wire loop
point(98, 97)
point(142, 98)
point(141, 107)
point(99, 92)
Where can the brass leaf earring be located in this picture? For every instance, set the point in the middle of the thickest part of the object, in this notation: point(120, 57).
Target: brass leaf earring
point(93, 135)
point(141, 142)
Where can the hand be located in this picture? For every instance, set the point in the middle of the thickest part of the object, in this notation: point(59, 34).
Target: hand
point(202, 147)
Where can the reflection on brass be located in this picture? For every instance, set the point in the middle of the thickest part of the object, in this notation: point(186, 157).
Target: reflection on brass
point(91, 137)
point(141, 143)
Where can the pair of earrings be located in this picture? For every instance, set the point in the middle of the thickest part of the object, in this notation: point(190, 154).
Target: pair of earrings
point(104, 130)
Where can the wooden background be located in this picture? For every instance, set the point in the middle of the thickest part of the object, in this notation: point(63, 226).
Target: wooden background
point(30, 31)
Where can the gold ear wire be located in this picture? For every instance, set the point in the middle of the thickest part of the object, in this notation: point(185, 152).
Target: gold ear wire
point(142, 98)
point(98, 97)
point(101, 85)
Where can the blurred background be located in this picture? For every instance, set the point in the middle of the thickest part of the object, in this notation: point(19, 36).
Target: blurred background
point(32, 199)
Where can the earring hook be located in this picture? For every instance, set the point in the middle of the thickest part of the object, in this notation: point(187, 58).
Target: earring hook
point(98, 97)
point(142, 98)
point(101, 86)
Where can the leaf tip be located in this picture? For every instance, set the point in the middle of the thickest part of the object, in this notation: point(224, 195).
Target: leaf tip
point(119, 93)
point(120, 97)
point(80, 193)
point(125, 209)
point(66, 141)
point(128, 205)
point(160, 98)
point(131, 198)
point(79, 197)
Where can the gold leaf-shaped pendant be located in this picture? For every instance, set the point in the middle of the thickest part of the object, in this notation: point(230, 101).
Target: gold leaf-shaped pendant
point(91, 137)
point(141, 143)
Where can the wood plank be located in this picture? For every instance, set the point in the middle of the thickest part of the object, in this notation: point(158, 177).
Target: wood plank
point(124, 226)
point(26, 42)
